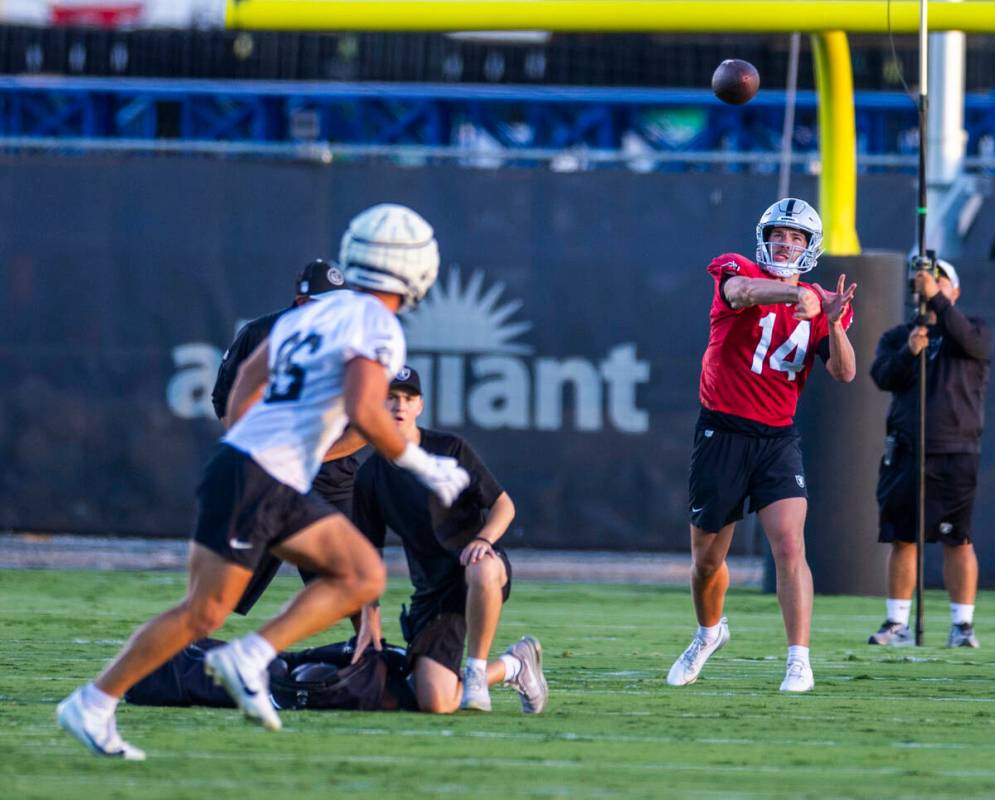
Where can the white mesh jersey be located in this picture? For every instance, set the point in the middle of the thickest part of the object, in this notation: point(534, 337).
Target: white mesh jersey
point(302, 411)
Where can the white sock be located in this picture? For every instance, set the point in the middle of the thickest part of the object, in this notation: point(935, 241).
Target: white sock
point(709, 634)
point(961, 613)
point(797, 652)
point(512, 666)
point(898, 610)
point(257, 650)
point(476, 665)
point(99, 701)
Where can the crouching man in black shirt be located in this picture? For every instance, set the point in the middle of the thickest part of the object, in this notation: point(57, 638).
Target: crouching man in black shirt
point(958, 362)
point(459, 586)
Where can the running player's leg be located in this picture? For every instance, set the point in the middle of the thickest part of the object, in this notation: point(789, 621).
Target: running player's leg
point(349, 572)
point(349, 575)
point(213, 590)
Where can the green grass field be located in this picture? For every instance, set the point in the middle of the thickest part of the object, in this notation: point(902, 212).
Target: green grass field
point(880, 724)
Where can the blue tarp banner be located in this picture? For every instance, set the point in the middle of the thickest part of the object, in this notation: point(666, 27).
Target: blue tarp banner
point(563, 338)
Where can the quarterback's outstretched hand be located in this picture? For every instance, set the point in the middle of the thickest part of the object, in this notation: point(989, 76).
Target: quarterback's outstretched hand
point(835, 304)
point(441, 474)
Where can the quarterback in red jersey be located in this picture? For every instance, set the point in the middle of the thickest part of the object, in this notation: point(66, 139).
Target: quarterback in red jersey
point(766, 329)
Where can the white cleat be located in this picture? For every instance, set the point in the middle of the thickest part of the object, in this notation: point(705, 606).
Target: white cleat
point(476, 695)
point(687, 668)
point(97, 732)
point(249, 688)
point(798, 678)
point(530, 683)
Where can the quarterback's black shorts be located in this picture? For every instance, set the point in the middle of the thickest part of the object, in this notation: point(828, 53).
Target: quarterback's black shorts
point(243, 511)
point(729, 466)
point(438, 630)
point(951, 484)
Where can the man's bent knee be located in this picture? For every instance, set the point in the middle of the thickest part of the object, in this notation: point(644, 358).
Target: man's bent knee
point(486, 573)
point(432, 701)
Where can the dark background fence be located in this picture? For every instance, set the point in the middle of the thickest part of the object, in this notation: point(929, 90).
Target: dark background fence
point(566, 59)
point(121, 281)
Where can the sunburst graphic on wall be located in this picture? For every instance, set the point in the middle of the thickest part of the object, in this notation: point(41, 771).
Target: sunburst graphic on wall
point(454, 318)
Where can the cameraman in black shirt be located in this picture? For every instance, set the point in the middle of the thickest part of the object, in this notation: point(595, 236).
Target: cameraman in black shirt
point(958, 360)
point(461, 576)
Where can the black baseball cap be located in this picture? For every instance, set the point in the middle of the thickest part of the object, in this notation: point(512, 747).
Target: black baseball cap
point(408, 380)
point(319, 278)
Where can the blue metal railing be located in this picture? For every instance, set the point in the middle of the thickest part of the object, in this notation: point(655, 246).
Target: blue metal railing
point(516, 119)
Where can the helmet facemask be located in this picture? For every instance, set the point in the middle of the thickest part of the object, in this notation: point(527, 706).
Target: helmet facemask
point(796, 215)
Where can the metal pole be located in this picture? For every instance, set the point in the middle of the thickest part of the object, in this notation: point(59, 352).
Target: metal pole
point(922, 264)
point(790, 100)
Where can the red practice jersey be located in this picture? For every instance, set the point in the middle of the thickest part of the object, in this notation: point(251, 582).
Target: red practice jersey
point(758, 358)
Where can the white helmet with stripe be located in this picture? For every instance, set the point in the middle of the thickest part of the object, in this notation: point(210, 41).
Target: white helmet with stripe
point(790, 213)
point(390, 248)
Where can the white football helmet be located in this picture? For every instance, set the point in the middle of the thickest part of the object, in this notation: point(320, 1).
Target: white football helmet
point(390, 248)
point(790, 213)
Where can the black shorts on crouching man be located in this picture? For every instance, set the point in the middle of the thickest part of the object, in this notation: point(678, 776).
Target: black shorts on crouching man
point(243, 510)
point(951, 486)
point(734, 459)
point(437, 629)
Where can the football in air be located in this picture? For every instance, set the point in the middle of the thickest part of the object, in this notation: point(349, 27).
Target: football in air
point(735, 81)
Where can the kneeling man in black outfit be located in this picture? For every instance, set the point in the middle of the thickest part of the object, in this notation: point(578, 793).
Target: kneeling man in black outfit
point(459, 590)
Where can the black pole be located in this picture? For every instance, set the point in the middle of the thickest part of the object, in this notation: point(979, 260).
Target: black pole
point(921, 264)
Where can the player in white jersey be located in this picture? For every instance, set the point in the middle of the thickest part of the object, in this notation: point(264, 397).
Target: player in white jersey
point(324, 365)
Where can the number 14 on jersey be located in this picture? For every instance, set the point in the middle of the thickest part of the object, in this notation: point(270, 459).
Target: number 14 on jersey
point(790, 356)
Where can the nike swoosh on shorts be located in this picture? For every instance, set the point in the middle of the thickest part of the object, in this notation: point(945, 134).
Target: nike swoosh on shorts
point(238, 544)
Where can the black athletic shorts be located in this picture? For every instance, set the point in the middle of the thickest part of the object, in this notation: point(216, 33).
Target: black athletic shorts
point(951, 485)
point(243, 511)
point(437, 629)
point(729, 466)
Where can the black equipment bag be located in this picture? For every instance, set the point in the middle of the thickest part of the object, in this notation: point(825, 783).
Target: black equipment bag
point(317, 678)
point(181, 681)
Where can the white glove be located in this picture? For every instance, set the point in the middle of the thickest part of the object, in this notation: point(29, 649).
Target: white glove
point(441, 474)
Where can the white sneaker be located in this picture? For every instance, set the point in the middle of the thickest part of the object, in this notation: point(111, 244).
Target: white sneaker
point(476, 695)
point(248, 687)
point(687, 668)
point(97, 732)
point(798, 678)
point(962, 635)
point(530, 683)
point(892, 634)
